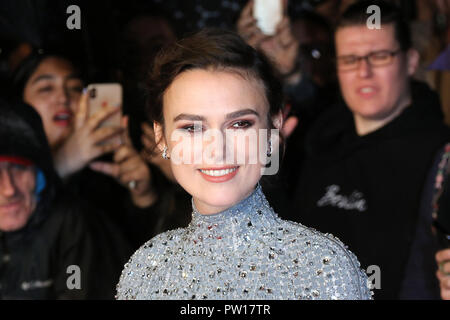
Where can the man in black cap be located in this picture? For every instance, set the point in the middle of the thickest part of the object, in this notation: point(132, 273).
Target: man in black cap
point(44, 247)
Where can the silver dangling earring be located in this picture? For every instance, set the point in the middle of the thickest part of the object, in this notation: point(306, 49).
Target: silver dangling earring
point(269, 150)
point(164, 154)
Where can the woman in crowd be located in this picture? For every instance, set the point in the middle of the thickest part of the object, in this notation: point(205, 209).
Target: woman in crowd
point(235, 247)
point(120, 195)
point(52, 85)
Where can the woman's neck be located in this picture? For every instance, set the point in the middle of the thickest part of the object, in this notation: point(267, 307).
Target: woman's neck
point(205, 208)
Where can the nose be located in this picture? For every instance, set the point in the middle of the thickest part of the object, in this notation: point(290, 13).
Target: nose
point(365, 69)
point(214, 147)
point(62, 97)
point(7, 187)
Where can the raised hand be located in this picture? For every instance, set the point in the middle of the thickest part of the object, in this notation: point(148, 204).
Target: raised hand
point(443, 274)
point(130, 170)
point(247, 27)
point(282, 47)
point(88, 140)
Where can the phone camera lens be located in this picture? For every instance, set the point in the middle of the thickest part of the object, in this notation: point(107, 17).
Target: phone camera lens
point(93, 93)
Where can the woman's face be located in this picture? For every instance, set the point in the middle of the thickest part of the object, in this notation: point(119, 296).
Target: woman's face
point(234, 109)
point(54, 91)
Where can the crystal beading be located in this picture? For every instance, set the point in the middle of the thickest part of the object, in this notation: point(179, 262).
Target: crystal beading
point(244, 252)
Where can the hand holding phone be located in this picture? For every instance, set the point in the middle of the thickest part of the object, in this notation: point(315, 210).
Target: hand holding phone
point(97, 132)
point(102, 95)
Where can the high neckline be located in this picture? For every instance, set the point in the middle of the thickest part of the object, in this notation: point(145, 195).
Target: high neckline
point(244, 252)
point(254, 204)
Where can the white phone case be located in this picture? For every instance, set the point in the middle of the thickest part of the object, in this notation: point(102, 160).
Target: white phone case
point(106, 94)
point(268, 14)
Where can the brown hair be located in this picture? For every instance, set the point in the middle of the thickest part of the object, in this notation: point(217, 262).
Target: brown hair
point(211, 49)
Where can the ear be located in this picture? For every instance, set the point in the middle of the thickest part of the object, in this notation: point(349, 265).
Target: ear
point(159, 136)
point(413, 58)
point(277, 120)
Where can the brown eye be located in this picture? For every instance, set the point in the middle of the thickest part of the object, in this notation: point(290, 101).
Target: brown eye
point(380, 56)
point(74, 85)
point(77, 89)
point(241, 124)
point(348, 60)
point(74, 92)
point(192, 128)
point(45, 89)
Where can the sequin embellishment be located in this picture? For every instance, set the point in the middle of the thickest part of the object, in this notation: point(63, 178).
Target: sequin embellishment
point(245, 252)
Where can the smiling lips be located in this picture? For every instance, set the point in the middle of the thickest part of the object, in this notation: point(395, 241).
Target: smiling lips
point(218, 174)
point(63, 118)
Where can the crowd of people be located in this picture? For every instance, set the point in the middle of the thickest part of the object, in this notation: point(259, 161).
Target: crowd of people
point(94, 211)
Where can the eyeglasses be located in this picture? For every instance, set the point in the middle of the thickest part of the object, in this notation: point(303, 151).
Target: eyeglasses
point(374, 59)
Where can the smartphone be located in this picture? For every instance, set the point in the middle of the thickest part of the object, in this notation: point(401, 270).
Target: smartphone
point(102, 95)
point(268, 13)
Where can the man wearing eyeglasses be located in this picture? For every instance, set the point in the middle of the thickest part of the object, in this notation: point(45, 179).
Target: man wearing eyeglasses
point(368, 158)
point(373, 70)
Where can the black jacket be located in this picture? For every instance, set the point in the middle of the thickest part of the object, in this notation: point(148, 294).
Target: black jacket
point(37, 261)
point(130, 226)
point(118, 226)
point(366, 190)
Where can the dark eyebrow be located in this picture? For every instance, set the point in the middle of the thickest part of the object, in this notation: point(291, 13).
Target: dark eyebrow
point(72, 76)
point(241, 113)
point(236, 114)
point(184, 116)
point(43, 77)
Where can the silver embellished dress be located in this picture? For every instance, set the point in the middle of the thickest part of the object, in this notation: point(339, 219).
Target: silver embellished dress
point(244, 252)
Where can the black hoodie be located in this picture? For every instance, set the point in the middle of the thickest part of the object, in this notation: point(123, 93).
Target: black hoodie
point(36, 260)
point(366, 190)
